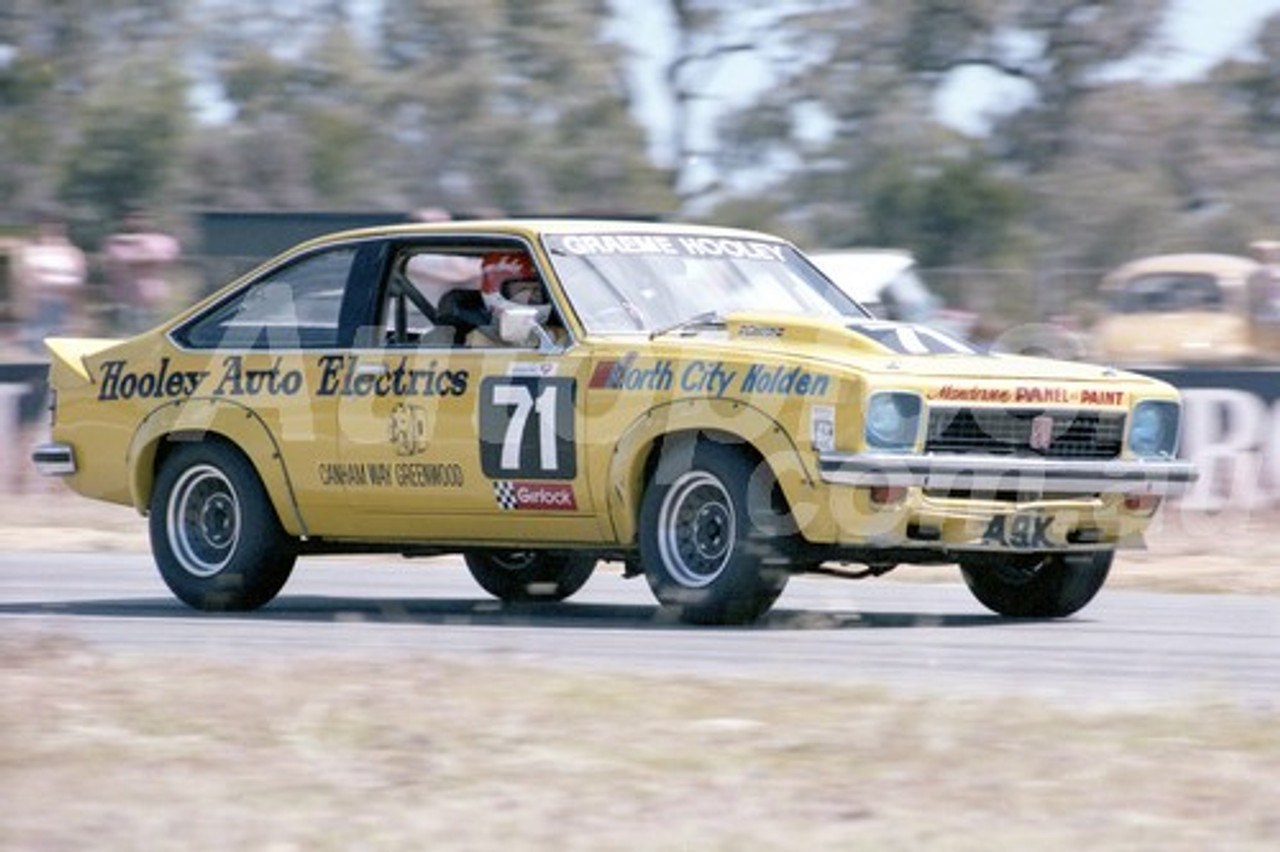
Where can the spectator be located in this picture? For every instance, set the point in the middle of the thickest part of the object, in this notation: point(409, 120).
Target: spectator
point(1264, 282)
point(51, 276)
point(139, 260)
point(1264, 296)
point(431, 214)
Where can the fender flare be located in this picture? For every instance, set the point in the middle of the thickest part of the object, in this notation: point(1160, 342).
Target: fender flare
point(732, 420)
point(196, 418)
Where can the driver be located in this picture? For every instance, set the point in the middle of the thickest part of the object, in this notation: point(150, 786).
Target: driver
point(508, 279)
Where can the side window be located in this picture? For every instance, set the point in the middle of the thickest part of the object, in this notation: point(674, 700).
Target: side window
point(421, 301)
point(298, 306)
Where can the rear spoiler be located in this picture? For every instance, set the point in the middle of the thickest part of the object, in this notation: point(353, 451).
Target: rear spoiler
point(72, 353)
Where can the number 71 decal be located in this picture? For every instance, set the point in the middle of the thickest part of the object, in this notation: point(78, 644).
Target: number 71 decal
point(526, 427)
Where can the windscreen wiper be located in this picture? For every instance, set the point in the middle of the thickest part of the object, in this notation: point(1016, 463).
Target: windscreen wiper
point(706, 319)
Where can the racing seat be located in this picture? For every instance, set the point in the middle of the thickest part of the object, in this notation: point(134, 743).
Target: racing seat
point(464, 310)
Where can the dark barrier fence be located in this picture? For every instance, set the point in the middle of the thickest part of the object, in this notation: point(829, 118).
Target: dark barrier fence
point(1231, 430)
point(24, 385)
point(1262, 382)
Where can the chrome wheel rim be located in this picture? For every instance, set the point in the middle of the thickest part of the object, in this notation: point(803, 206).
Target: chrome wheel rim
point(203, 520)
point(697, 528)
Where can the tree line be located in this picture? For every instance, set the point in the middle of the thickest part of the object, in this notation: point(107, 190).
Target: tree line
point(534, 107)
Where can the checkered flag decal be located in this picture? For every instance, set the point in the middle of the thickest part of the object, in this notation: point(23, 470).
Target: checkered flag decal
point(505, 491)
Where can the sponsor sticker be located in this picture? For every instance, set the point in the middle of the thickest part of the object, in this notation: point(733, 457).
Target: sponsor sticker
point(386, 475)
point(407, 429)
point(670, 245)
point(705, 378)
point(761, 331)
point(535, 496)
point(1028, 394)
point(822, 428)
point(536, 369)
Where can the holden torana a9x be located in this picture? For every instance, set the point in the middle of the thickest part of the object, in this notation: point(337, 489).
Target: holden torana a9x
point(698, 404)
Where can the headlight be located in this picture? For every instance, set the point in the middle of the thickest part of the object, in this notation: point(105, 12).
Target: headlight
point(1153, 429)
point(893, 421)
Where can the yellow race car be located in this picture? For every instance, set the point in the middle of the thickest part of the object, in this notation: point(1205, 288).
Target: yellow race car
point(699, 404)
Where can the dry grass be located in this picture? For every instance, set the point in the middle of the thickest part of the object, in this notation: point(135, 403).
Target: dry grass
point(125, 754)
point(1204, 553)
point(164, 753)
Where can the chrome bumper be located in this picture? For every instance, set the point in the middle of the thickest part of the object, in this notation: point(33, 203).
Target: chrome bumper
point(1166, 478)
point(54, 459)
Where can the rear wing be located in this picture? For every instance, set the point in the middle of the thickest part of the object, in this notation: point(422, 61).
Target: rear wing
point(71, 354)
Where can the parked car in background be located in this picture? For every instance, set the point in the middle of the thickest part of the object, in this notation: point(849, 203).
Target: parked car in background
point(1180, 309)
point(887, 282)
point(698, 404)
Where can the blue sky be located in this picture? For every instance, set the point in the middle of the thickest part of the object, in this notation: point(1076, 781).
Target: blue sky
point(1201, 32)
point(1196, 35)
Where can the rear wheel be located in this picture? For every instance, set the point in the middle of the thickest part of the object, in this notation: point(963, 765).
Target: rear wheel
point(1037, 586)
point(214, 533)
point(708, 541)
point(530, 575)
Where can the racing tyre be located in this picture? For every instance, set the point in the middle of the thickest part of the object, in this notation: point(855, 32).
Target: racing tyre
point(530, 575)
point(708, 542)
point(1039, 586)
point(214, 533)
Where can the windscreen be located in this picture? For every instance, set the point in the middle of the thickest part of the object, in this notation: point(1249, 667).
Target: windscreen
point(1170, 293)
point(632, 282)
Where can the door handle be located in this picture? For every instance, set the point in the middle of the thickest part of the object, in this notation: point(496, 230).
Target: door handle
point(372, 368)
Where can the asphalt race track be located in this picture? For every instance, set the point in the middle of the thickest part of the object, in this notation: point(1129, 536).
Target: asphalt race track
point(1126, 648)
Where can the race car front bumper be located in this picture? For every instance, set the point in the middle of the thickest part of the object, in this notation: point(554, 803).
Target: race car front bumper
point(988, 473)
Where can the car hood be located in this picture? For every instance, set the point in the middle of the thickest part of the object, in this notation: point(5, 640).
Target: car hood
point(893, 348)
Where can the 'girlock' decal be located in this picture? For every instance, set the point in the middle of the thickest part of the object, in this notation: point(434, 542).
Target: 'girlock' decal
point(535, 496)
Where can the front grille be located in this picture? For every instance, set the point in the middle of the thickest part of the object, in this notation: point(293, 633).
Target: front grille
point(1066, 434)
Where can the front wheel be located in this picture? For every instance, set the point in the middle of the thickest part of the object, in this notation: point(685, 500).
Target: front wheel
point(530, 575)
point(1039, 586)
point(708, 537)
point(214, 532)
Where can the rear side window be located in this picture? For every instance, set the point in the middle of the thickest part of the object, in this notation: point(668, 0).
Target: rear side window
point(296, 306)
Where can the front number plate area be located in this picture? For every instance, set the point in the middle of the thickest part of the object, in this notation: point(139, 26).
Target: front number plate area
point(1022, 531)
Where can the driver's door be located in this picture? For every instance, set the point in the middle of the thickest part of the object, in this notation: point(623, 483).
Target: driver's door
point(443, 442)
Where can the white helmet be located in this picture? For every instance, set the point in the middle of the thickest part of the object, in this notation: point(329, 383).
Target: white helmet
point(509, 279)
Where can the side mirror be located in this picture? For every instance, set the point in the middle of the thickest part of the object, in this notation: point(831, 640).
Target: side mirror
point(519, 326)
point(516, 325)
